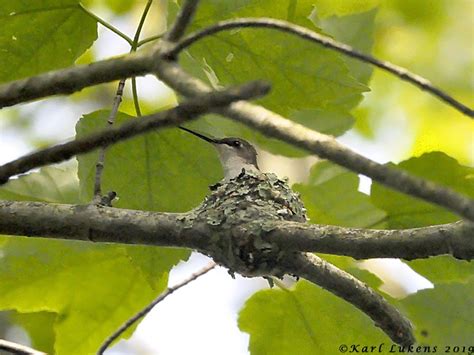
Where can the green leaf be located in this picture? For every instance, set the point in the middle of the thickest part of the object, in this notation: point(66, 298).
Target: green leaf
point(356, 31)
point(92, 288)
point(150, 260)
point(50, 184)
point(79, 283)
point(305, 76)
point(304, 320)
point(315, 78)
point(443, 269)
point(39, 326)
point(169, 170)
point(329, 122)
point(331, 197)
point(38, 36)
point(408, 212)
point(326, 8)
point(443, 315)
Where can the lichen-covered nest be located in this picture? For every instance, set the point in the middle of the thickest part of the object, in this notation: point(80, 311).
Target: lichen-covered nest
point(242, 210)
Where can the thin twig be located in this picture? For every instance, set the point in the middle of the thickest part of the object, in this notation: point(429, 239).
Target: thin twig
point(113, 112)
point(18, 349)
point(347, 287)
point(307, 34)
point(148, 40)
point(148, 308)
point(110, 121)
point(327, 147)
point(182, 20)
point(106, 24)
point(186, 111)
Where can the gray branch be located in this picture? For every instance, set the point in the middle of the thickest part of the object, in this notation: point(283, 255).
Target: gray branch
point(70, 80)
point(347, 287)
point(274, 125)
point(312, 36)
point(456, 239)
point(182, 20)
point(112, 225)
point(185, 111)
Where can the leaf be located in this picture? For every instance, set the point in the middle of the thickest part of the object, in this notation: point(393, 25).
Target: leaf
point(444, 315)
point(443, 269)
point(169, 170)
point(326, 8)
point(38, 36)
point(331, 197)
point(50, 184)
point(39, 326)
point(333, 123)
point(408, 212)
point(356, 31)
point(305, 76)
point(306, 320)
point(91, 287)
point(79, 283)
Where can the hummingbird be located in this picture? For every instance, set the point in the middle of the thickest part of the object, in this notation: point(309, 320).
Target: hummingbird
point(235, 154)
point(239, 163)
point(245, 197)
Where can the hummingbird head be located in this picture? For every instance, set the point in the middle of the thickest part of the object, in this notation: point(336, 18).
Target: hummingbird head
point(235, 154)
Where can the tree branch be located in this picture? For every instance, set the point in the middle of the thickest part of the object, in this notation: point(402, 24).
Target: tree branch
point(106, 137)
point(149, 307)
point(347, 287)
point(274, 125)
point(14, 348)
point(95, 223)
point(455, 239)
point(182, 20)
point(69, 80)
point(112, 225)
point(312, 36)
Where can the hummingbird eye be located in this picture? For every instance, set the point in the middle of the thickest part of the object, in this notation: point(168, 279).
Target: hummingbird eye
point(236, 144)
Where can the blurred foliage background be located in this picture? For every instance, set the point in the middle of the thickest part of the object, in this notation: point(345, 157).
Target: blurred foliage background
point(393, 122)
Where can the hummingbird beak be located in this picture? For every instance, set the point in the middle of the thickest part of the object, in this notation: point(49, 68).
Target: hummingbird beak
point(199, 135)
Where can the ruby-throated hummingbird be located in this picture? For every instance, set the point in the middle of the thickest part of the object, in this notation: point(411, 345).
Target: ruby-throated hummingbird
point(235, 154)
point(249, 200)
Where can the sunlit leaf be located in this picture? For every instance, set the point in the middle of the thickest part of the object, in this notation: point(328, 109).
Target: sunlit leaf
point(169, 170)
point(304, 320)
point(50, 184)
point(38, 36)
point(80, 283)
point(311, 84)
point(443, 316)
point(443, 269)
point(408, 212)
point(40, 328)
point(331, 196)
point(92, 288)
point(325, 8)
